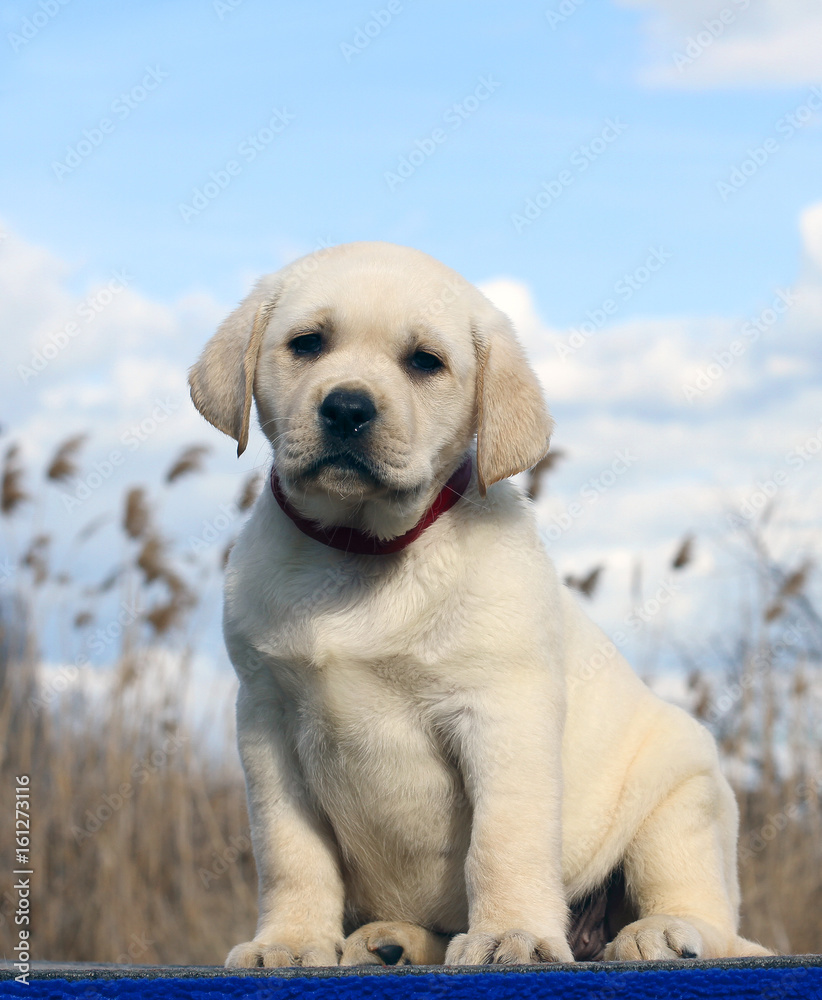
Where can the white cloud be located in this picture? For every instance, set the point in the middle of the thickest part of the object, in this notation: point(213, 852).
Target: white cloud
point(619, 392)
point(121, 379)
point(710, 43)
point(692, 462)
point(514, 298)
point(95, 360)
point(810, 225)
point(194, 696)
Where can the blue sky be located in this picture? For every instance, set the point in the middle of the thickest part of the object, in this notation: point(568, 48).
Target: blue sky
point(355, 116)
point(618, 122)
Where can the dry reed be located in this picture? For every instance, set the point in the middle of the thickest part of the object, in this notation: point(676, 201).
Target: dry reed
point(141, 842)
point(190, 460)
point(64, 464)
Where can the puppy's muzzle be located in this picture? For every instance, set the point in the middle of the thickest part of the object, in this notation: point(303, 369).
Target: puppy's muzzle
point(346, 414)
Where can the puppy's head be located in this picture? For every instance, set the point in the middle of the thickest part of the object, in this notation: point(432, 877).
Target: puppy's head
point(372, 367)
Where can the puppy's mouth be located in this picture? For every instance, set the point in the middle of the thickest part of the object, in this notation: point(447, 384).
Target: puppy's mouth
point(348, 475)
point(342, 469)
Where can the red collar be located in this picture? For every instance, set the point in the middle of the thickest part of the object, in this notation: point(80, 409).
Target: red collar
point(353, 540)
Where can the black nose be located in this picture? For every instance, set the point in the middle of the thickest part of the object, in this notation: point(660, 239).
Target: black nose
point(345, 413)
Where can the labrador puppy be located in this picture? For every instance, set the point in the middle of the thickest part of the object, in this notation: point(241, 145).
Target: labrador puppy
point(444, 756)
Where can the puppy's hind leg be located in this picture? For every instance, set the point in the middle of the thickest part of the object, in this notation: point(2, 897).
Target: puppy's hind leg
point(394, 943)
point(680, 871)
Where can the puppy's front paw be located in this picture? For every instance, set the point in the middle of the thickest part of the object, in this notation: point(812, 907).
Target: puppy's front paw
point(508, 948)
point(655, 938)
point(383, 943)
point(265, 955)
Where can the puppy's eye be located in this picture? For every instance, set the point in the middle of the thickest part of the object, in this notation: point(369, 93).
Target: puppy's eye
point(424, 361)
point(307, 343)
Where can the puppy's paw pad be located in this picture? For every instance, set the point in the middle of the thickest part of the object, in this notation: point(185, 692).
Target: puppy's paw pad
point(654, 938)
point(261, 955)
point(383, 943)
point(390, 954)
point(513, 947)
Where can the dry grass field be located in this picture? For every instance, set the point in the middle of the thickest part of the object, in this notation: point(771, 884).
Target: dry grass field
point(139, 829)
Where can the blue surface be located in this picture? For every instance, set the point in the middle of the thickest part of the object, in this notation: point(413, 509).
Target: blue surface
point(726, 983)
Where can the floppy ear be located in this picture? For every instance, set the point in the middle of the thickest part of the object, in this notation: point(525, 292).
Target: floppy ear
point(513, 423)
point(222, 381)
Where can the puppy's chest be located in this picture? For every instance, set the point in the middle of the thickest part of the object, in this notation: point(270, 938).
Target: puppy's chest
point(373, 681)
point(370, 627)
point(367, 707)
point(368, 658)
point(378, 767)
